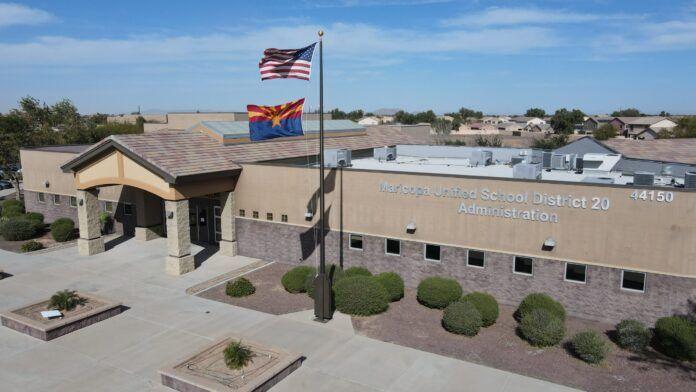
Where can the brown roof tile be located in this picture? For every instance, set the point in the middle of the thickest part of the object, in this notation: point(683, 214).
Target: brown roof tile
point(666, 150)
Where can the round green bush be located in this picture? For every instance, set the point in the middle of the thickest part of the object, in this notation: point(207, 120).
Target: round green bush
point(541, 301)
point(36, 219)
point(590, 346)
point(540, 328)
point(437, 292)
point(63, 229)
point(31, 246)
point(633, 335)
point(16, 229)
point(676, 337)
point(486, 305)
point(12, 211)
point(356, 271)
point(294, 280)
point(392, 282)
point(360, 296)
point(240, 287)
point(12, 202)
point(462, 318)
point(13, 205)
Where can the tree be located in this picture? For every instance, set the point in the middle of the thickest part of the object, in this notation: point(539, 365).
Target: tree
point(630, 112)
point(404, 117)
point(664, 114)
point(686, 128)
point(409, 118)
point(426, 117)
point(465, 113)
point(535, 112)
point(355, 115)
point(494, 141)
point(606, 131)
point(551, 143)
point(338, 114)
point(442, 128)
point(563, 121)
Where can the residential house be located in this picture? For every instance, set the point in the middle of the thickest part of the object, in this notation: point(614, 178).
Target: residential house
point(652, 124)
point(591, 124)
point(369, 121)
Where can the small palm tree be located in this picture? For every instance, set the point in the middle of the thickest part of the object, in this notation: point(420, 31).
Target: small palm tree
point(238, 355)
point(66, 300)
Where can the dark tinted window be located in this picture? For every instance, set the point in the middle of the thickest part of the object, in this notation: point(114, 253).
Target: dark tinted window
point(393, 247)
point(356, 241)
point(475, 258)
point(576, 272)
point(633, 280)
point(523, 265)
point(242, 212)
point(432, 252)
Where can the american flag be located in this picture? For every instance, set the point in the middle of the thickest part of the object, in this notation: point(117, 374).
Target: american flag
point(287, 63)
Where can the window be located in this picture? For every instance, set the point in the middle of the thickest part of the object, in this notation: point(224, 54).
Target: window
point(41, 197)
point(255, 214)
point(127, 209)
point(576, 273)
point(56, 200)
point(283, 218)
point(475, 258)
point(632, 280)
point(431, 252)
point(392, 247)
point(217, 221)
point(355, 241)
point(108, 206)
point(269, 216)
point(73, 201)
point(242, 213)
point(523, 265)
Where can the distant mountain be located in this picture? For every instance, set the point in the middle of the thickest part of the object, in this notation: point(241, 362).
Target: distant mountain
point(386, 112)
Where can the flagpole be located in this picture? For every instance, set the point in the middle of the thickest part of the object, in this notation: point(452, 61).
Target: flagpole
point(322, 285)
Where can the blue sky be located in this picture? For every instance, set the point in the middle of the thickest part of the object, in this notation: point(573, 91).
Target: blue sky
point(495, 56)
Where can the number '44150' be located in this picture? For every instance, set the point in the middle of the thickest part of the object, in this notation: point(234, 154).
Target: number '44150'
point(658, 196)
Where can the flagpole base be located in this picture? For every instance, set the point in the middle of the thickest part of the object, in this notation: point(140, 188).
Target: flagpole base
point(323, 306)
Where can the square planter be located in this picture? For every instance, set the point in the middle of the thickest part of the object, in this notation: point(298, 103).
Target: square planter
point(28, 320)
point(206, 370)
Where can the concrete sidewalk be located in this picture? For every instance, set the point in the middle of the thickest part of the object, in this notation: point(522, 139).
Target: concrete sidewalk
point(164, 324)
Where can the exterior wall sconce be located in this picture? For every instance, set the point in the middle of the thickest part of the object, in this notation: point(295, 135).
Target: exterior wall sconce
point(308, 216)
point(81, 202)
point(170, 215)
point(47, 184)
point(548, 244)
point(411, 228)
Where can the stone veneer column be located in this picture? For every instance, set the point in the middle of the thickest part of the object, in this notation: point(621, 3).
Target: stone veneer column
point(91, 241)
point(180, 260)
point(148, 215)
point(228, 242)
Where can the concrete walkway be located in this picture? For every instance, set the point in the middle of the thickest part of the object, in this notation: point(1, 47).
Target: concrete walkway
point(164, 324)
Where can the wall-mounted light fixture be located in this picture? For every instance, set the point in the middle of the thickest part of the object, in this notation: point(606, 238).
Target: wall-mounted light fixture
point(170, 215)
point(47, 184)
point(81, 202)
point(308, 216)
point(411, 228)
point(548, 244)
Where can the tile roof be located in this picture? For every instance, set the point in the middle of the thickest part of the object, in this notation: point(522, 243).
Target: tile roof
point(174, 154)
point(647, 120)
point(665, 150)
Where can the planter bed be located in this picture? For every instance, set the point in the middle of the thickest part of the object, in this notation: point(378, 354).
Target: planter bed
point(206, 371)
point(28, 319)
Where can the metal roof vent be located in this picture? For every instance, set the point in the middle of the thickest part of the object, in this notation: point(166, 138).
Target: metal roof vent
point(558, 162)
point(527, 171)
point(643, 178)
point(337, 157)
point(384, 153)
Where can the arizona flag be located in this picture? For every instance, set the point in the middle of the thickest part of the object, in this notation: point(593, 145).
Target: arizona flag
point(268, 122)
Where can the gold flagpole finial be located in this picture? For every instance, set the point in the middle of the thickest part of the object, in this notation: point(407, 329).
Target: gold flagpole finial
point(321, 33)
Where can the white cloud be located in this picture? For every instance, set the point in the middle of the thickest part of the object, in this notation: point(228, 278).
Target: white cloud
point(360, 43)
point(12, 14)
point(500, 16)
point(655, 37)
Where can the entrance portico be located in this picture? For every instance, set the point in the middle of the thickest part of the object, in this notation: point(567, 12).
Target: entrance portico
point(200, 205)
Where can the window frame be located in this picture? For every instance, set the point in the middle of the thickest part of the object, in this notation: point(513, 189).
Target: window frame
point(284, 218)
point(108, 204)
point(472, 265)
point(514, 260)
point(362, 243)
point(53, 199)
point(70, 201)
point(386, 247)
point(125, 213)
point(255, 215)
point(565, 273)
point(269, 216)
point(645, 281)
point(41, 197)
point(425, 253)
point(242, 212)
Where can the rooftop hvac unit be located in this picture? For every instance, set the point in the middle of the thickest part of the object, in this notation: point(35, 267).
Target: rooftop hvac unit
point(690, 180)
point(570, 161)
point(528, 171)
point(481, 158)
point(337, 157)
point(558, 162)
point(546, 159)
point(515, 160)
point(643, 178)
point(534, 157)
point(579, 163)
point(384, 153)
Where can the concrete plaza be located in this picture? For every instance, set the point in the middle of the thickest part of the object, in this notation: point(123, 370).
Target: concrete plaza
point(163, 324)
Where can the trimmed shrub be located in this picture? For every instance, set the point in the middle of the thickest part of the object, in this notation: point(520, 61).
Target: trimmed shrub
point(237, 355)
point(12, 211)
point(63, 229)
point(16, 229)
point(294, 280)
point(36, 219)
point(240, 287)
point(590, 346)
point(66, 300)
point(392, 282)
point(356, 271)
point(486, 305)
point(676, 337)
point(632, 335)
point(541, 301)
point(437, 292)
point(540, 328)
point(462, 318)
point(360, 296)
point(12, 202)
point(31, 246)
